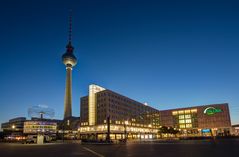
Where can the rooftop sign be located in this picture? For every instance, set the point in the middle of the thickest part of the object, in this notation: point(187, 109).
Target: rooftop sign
point(212, 110)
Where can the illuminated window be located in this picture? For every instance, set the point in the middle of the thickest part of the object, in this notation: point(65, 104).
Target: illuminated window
point(175, 112)
point(181, 112)
point(181, 126)
point(187, 111)
point(188, 121)
point(181, 121)
point(194, 110)
point(187, 116)
point(181, 117)
point(188, 125)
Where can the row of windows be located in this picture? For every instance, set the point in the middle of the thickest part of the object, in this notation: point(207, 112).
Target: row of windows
point(185, 121)
point(123, 106)
point(84, 123)
point(121, 98)
point(40, 127)
point(185, 126)
point(184, 116)
point(188, 111)
point(122, 102)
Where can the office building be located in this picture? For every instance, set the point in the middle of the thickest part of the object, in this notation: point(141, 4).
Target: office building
point(14, 125)
point(126, 116)
point(199, 120)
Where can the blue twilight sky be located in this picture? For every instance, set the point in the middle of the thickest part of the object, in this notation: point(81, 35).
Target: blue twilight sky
point(167, 53)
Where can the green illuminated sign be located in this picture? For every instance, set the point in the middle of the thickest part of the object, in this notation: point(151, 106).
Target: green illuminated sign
point(212, 110)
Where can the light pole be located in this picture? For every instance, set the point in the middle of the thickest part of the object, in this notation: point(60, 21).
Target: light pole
point(108, 129)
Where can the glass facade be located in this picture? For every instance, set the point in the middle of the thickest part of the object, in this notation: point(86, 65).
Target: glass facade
point(32, 127)
point(185, 118)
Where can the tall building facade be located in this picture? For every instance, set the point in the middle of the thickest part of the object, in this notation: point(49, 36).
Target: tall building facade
point(102, 103)
point(125, 114)
point(69, 60)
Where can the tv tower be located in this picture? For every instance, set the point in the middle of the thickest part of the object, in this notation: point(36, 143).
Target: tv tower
point(69, 59)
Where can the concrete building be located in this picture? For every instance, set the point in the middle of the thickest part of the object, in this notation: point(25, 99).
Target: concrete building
point(102, 103)
point(106, 112)
point(199, 120)
point(124, 114)
point(69, 60)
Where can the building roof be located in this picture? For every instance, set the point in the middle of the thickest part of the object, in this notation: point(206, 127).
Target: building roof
point(183, 108)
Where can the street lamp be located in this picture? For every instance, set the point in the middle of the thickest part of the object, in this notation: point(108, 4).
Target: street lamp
point(13, 126)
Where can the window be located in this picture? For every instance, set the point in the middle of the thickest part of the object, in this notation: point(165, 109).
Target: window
point(181, 126)
point(194, 110)
point(181, 117)
point(181, 112)
point(187, 116)
point(181, 121)
point(175, 112)
point(188, 125)
point(188, 121)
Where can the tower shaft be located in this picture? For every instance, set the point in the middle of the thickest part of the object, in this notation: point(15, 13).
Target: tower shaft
point(68, 92)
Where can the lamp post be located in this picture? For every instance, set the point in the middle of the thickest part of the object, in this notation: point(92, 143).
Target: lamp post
point(108, 129)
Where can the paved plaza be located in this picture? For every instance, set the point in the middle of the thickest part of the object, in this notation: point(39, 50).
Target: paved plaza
point(229, 148)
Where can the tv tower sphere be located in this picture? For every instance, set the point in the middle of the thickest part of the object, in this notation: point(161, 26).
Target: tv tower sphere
point(68, 58)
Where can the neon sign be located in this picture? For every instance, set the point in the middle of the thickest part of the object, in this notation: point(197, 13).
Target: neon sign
point(212, 110)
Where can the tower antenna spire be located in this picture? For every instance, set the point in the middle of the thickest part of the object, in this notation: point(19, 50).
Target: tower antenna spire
point(69, 47)
point(70, 26)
